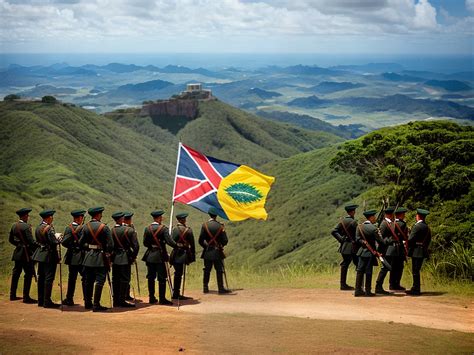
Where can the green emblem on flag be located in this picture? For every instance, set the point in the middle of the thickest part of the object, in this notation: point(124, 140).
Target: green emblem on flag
point(243, 193)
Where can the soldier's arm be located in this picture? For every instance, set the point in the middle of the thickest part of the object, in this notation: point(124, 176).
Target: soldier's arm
point(51, 237)
point(134, 241)
point(147, 238)
point(223, 238)
point(336, 234)
point(168, 240)
point(413, 233)
point(383, 229)
point(202, 238)
point(68, 240)
point(109, 242)
point(192, 244)
point(11, 237)
point(378, 237)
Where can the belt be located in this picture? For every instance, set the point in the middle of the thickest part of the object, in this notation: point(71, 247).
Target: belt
point(154, 246)
point(93, 246)
point(419, 243)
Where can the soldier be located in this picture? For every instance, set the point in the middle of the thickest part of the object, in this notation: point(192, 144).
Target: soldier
point(132, 234)
point(399, 252)
point(345, 232)
point(97, 240)
point(387, 232)
point(22, 238)
point(74, 255)
point(213, 238)
point(183, 254)
point(47, 257)
point(124, 252)
point(155, 238)
point(366, 235)
point(418, 243)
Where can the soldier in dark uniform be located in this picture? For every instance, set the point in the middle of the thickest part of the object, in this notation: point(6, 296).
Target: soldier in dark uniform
point(418, 243)
point(213, 238)
point(387, 232)
point(399, 253)
point(155, 238)
point(97, 240)
point(183, 254)
point(47, 257)
point(74, 255)
point(22, 238)
point(132, 235)
point(124, 252)
point(345, 232)
point(367, 235)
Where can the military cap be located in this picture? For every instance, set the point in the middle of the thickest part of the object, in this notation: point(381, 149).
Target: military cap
point(369, 213)
point(213, 211)
point(157, 213)
point(401, 210)
point(182, 215)
point(94, 210)
point(350, 207)
point(47, 213)
point(422, 212)
point(118, 215)
point(128, 214)
point(77, 213)
point(390, 209)
point(23, 211)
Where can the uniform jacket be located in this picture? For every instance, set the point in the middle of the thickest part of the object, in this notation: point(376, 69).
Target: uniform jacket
point(213, 247)
point(47, 250)
point(372, 236)
point(95, 257)
point(22, 238)
point(348, 243)
point(156, 252)
point(125, 244)
point(401, 231)
point(385, 230)
point(419, 240)
point(185, 251)
point(74, 254)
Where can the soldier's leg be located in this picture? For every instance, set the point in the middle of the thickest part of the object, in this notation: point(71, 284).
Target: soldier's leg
point(16, 272)
point(116, 271)
point(178, 274)
point(89, 278)
point(124, 283)
point(100, 277)
point(206, 275)
point(29, 270)
point(40, 284)
point(360, 277)
point(219, 266)
point(162, 278)
point(50, 273)
point(346, 261)
point(71, 285)
point(368, 277)
point(416, 267)
point(380, 279)
point(151, 277)
point(392, 260)
point(400, 273)
point(82, 272)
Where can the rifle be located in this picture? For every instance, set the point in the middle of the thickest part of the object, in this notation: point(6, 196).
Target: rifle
point(27, 254)
point(170, 284)
point(138, 277)
point(60, 276)
point(111, 292)
point(381, 212)
point(374, 253)
point(225, 274)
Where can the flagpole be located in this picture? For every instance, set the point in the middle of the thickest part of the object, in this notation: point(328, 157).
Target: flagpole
point(174, 187)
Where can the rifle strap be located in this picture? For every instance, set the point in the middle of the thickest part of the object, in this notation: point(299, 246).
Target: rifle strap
point(43, 233)
point(369, 247)
point(155, 234)
point(345, 230)
point(117, 238)
point(182, 234)
point(125, 235)
point(395, 236)
point(404, 236)
point(213, 239)
point(75, 231)
point(97, 232)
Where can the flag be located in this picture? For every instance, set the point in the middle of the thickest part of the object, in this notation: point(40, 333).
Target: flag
point(237, 191)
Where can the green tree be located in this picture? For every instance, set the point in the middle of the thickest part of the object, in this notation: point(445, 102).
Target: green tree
point(11, 97)
point(49, 99)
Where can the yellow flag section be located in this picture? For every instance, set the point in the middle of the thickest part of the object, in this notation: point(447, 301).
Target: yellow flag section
point(242, 194)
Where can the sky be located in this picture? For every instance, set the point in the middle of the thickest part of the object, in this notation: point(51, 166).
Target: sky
point(438, 27)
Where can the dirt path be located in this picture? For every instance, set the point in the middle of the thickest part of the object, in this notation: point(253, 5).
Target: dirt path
point(250, 321)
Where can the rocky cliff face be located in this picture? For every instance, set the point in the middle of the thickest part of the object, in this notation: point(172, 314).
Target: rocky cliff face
point(182, 108)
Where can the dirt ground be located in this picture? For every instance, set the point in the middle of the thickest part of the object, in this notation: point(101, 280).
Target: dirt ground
point(249, 321)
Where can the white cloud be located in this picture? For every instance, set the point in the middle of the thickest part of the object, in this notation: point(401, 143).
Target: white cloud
point(470, 5)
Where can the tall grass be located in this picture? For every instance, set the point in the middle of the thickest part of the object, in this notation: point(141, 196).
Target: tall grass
point(454, 262)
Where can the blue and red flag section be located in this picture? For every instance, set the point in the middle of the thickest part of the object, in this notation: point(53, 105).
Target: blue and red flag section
point(236, 191)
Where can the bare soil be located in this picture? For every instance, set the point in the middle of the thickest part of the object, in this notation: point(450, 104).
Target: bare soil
point(249, 321)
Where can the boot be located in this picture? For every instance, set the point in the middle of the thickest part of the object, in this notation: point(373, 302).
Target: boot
point(88, 292)
point(415, 290)
point(71, 287)
point(162, 294)
point(358, 286)
point(379, 285)
point(220, 284)
point(40, 293)
point(48, 303)
point(151, 292)
point(368, 286)
point(13, 287)
point(344, 285)
point(205, 281)
point(177, 287)
point(127, 294)
point(97, 294)
point(26, 291)
point(123, 292)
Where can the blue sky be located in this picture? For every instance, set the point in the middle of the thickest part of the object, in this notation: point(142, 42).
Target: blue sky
point(237, 26)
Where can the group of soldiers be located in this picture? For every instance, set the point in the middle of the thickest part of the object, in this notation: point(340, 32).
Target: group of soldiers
point(391, 242)
point(93, 249)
